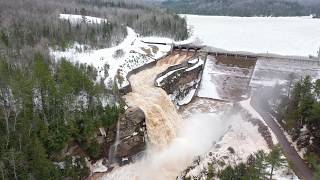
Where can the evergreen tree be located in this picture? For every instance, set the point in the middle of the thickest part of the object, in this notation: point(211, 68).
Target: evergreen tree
point(316, 175)
point(41, 167)
point(274, 160)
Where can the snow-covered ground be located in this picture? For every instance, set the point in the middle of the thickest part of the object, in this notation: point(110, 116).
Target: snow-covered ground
point(241, 136)
point(74, 19)
point(279, 35)
point(133, 52)
point(245, 104)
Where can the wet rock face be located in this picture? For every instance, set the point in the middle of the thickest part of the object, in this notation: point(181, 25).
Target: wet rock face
point(131, 133)
point(181, 81)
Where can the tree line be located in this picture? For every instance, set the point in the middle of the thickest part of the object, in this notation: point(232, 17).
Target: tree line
point(46, 105)
point(242, 7)
point(299, 113)
point(44, 108)
point(258, 166)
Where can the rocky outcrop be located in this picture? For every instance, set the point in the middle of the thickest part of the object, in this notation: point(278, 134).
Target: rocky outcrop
point(181, 81)
point(131, 134)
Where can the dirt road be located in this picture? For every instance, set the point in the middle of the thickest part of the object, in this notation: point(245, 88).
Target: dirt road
point(300, 167)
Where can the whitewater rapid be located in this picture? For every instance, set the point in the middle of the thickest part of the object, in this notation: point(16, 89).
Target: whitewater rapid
point(173, 142)
point(161, 114)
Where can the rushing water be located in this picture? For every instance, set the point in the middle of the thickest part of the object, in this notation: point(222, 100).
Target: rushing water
point(172, 142)
point(160, 112)
point(113, 149)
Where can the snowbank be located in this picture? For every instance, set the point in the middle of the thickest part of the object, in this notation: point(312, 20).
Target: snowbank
point(188, 98)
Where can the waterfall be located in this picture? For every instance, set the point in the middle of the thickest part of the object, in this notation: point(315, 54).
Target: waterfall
point(172, 142)
point(113, 149)
point(161, 114)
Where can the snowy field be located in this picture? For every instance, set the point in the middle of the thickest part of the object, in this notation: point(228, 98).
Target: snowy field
point(278, 35)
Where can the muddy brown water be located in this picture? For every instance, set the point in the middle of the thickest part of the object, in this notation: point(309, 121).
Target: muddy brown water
point(161, 114)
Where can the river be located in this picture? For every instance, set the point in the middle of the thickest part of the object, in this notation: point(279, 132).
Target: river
point(173, 142)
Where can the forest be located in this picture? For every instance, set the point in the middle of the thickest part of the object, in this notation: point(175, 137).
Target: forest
point(258, 166)
point(298, 112)
point(243, 7)
point(46, 104)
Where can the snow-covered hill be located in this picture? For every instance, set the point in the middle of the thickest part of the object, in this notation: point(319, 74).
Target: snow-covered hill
point(132, 53)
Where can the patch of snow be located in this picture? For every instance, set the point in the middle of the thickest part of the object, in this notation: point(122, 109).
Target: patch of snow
point(199, 63)
point(244, 138)
point(304, 128)
point(188, 98)
point(75, 19)
point(81, 101)
point(160, 79)
point(284, 174)
point(302, 151)
point(103, 132)
point(134, 133)
point(169, 41)
point(193, 61)
point(60, 165)
point(254, 114)
point(97, 167)
point(247, 106)
point(37, 101)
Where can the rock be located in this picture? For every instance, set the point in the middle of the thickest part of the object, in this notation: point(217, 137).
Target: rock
point(180, 80)
point(303, 141)
point(131, 133)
